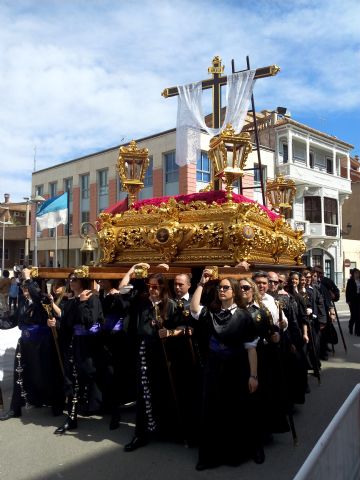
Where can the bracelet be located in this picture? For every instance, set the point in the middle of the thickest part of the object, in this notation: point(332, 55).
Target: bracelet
point(200, 284)
point(255, 377)
point(171, 333)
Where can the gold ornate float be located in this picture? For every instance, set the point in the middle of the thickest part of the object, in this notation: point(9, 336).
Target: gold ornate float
point(214, 227)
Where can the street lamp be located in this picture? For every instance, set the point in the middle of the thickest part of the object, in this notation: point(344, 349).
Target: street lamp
point(8, 222)
point(36, 200)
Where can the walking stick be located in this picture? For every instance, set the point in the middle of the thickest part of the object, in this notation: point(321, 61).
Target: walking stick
point(340, 329)
point(48, 309)
point(316, 360)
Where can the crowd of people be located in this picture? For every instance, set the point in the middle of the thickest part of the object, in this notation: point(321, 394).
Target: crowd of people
point(221, 369)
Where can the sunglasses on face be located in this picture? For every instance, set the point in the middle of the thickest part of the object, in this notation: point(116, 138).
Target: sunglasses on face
point(72, 279)
point(245, 288)
point(153, 287)
point(223, 287)
point(275, 282)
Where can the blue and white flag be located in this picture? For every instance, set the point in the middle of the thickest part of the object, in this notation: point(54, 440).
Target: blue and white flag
point(53, 212)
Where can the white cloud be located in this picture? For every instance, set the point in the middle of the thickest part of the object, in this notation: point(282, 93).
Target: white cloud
point(78, 76)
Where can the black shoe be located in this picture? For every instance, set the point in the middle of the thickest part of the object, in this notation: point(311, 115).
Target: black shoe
point(135, 443)
point(11, 414)
point(324, 357)
point(259, 456)
point(67, 425)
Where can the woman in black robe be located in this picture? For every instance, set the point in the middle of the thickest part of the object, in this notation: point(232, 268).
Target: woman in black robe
point(80, 325)
point(230, 377)
point(156, 318)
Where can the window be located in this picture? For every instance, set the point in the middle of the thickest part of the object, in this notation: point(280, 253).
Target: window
point(148, 179)
point(68, 184)
point(84, 197)
point(330, 211)
point(69, 226)
point(311, 160)
point(171, 174)
point(103, 190)
point(68, 187)
point(171, 169)
point(329, 166)
point(6, 253)
point(39, 190)
point(203, 173)
point(84, 185)
point(285, 153)
point(257, 182)
point(313, 209)
point(52, 189)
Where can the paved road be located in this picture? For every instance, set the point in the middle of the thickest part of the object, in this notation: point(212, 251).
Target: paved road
point(30, 451)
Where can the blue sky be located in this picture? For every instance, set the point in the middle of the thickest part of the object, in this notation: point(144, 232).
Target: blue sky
point(79, 76)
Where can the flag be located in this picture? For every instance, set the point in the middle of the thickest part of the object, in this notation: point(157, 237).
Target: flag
point(53, 212)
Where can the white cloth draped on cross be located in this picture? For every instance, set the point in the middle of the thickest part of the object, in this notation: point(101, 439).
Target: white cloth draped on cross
point(190, 117)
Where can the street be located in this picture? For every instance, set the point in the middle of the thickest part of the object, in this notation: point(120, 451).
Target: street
point(30, 450)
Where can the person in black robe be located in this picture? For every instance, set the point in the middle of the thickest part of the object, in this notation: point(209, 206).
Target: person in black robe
point(117, 372)
point(230, 377)
point(352, 294)
point(271, 396)
point(156, 318)
point(80, 326)
point(37, 374)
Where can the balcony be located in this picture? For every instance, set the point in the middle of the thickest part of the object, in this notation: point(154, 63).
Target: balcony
point(16, 232)
point(312, 177)
point(323, 230)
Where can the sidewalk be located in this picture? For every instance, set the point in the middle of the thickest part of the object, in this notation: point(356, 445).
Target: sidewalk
point(341, 306)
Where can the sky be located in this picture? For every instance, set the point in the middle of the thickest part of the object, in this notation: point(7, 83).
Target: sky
point(80, 76)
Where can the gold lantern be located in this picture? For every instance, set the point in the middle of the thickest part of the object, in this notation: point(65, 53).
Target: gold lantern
point(132, 165)
point(228, 153)
point(90, 247)
point(281, 193)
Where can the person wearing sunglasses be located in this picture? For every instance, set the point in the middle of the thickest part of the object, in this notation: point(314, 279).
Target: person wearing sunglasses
point(154, 316)
point(230, 377)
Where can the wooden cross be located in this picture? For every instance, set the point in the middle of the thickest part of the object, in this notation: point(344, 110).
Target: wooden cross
point(217, 81)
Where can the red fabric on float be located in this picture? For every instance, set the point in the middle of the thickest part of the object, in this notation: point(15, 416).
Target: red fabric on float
point(218, 196)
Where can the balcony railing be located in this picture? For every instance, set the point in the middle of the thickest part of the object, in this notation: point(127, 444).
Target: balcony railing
point(313, 177)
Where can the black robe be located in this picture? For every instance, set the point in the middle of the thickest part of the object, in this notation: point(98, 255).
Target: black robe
point(157, 408)
point(79, 337)
point(37, 374)
point(226, 432)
